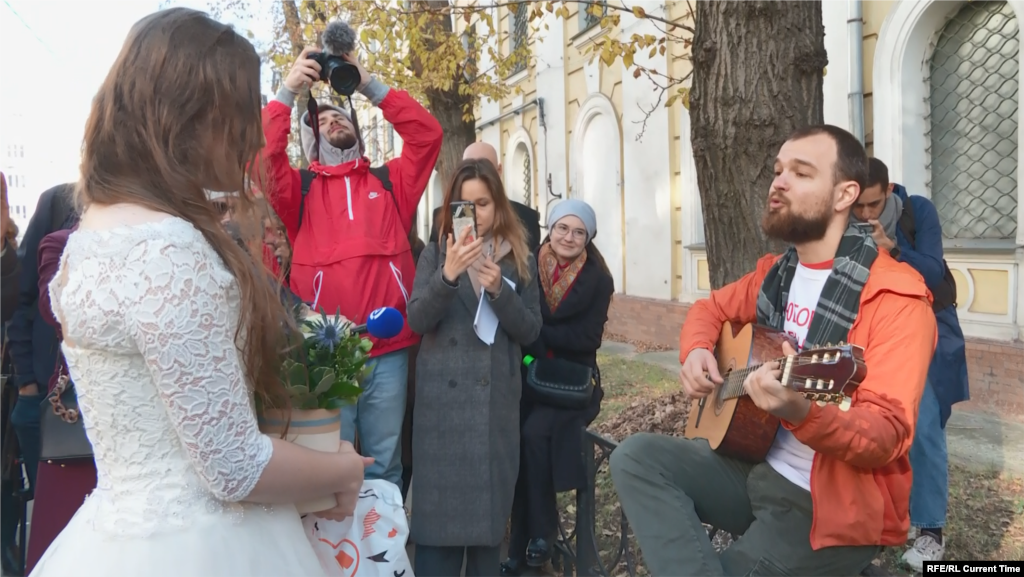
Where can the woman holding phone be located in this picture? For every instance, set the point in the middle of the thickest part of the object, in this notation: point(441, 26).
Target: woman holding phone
point(468, 387)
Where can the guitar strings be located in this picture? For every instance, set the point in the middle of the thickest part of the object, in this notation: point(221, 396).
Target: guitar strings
point(733, 386)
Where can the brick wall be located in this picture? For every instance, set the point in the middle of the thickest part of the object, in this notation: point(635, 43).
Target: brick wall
point(995, 369)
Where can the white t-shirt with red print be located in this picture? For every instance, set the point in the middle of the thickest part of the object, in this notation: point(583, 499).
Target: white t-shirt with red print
point(791, 458)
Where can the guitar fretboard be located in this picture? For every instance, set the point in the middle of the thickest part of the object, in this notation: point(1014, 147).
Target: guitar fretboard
point(732, 388)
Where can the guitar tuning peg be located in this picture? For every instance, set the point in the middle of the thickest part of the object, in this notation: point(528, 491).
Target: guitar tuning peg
point(845, 404)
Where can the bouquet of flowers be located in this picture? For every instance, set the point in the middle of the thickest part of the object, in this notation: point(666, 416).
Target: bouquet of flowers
point(321, 373)
point(326, 367)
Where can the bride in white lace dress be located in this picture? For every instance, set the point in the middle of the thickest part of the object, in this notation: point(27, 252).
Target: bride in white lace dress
point(150, 293)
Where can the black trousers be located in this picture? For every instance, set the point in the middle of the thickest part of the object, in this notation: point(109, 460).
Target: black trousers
point(534, 509)
point(447, 561)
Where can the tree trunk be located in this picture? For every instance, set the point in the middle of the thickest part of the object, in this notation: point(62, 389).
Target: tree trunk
point(757, 77)
point(447, 108)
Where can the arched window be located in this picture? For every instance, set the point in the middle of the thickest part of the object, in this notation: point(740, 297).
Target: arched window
point(523, 175)
point(973, 78)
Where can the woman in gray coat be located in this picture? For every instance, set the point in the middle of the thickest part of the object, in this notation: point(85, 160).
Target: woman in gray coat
point(466, 418)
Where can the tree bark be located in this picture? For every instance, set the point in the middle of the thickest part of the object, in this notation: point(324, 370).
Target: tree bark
point(447, 106)
point(458, 133)
point(757, 77)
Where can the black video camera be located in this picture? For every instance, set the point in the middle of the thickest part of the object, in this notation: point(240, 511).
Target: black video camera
point(342, 75)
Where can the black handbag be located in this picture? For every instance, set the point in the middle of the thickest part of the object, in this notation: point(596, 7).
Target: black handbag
point(61, 428)
point(560, 383)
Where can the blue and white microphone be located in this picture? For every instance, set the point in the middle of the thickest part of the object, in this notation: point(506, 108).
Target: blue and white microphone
point(383, 323)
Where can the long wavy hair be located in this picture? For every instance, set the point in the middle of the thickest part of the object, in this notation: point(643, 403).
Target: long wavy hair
point(506, 225)
point(179, 114)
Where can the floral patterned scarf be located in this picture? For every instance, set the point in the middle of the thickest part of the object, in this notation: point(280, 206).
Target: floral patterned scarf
point(554, 279)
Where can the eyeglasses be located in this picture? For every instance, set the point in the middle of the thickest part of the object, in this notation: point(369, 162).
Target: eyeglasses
point(562, 230)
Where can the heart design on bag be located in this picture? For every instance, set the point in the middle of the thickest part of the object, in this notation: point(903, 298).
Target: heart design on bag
point(347, 560)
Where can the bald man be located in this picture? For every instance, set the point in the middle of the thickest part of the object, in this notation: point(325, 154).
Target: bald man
point(484, 151)
point(528, 216)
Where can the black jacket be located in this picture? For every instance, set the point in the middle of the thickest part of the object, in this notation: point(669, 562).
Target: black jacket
point(33, 342)
point(10, 270)
point(574, 333)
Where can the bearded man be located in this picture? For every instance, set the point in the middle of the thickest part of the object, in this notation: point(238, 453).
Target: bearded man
point(835, 485)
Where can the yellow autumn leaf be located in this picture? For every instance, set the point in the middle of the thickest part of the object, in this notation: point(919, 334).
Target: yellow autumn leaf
point(639, 12)
point(607, 57)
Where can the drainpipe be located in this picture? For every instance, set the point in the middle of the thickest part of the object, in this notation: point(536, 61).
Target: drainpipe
point(855, 32)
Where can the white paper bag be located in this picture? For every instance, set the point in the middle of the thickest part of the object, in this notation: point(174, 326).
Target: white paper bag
point(369, 544)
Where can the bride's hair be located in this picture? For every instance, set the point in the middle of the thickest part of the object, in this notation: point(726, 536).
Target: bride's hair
point(179, 114)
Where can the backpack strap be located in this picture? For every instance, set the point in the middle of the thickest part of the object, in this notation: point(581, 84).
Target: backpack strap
point(307, 177)
point(383, 174)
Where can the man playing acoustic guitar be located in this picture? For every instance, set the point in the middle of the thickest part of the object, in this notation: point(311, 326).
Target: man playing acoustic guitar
point(836, 483)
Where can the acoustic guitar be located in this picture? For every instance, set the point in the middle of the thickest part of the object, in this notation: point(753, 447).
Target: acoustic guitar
point(729, 419)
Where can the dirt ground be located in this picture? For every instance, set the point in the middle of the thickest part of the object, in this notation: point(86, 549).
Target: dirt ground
point(986, 501)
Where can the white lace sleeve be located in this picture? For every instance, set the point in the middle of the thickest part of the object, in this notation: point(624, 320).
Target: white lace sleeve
point(182, 323)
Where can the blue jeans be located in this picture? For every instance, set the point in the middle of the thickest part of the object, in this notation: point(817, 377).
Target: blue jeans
point(378, 416)
point(25, 421)
point(930, 464)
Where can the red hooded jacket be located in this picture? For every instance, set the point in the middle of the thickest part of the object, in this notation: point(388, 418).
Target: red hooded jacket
point(353, 230)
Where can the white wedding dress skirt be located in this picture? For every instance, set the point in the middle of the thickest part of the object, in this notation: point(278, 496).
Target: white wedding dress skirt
point(149, 316)
point(259, 544)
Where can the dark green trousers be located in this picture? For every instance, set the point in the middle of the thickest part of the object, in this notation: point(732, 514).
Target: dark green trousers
point(668, 486)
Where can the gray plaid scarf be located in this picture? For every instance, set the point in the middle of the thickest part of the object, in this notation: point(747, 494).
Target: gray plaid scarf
point(840, 297)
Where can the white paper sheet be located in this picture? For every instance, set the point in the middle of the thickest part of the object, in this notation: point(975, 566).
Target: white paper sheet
point(486, 322)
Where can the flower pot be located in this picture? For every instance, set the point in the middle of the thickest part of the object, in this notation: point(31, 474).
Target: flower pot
point(317, 429)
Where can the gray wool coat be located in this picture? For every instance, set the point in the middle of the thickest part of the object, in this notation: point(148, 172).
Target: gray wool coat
point(465, 439)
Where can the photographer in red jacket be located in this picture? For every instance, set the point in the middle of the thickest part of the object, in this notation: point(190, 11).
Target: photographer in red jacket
point(350, 233)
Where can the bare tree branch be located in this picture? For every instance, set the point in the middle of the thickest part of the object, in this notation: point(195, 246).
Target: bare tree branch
point(661, 89)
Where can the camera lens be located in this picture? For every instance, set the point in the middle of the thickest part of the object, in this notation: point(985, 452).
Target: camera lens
point(343, 77)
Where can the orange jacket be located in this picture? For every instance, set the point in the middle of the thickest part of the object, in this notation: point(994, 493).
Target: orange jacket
point(860, 479)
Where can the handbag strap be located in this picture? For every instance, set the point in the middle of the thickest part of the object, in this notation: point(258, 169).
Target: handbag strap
point(56, 404)
point(63, 380)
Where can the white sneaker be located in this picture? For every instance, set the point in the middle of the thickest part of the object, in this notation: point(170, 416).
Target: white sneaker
point(925, 548)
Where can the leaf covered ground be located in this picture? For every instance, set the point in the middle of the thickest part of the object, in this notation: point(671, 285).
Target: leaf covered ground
point(986, 508)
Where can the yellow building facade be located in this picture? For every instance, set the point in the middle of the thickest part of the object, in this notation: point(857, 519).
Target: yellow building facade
point(930, 85)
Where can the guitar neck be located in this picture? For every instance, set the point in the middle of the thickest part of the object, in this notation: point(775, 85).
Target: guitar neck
point(732, 388)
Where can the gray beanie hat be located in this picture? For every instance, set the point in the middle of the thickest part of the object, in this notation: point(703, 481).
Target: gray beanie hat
point(577, 208)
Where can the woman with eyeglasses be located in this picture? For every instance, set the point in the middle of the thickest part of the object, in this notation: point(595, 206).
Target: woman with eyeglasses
point(576, 291)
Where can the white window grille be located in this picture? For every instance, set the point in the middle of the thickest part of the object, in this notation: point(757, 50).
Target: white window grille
point(973, 77)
